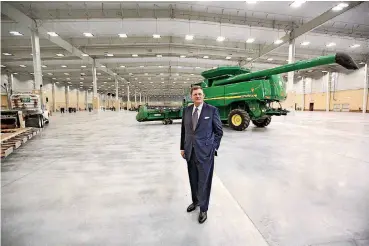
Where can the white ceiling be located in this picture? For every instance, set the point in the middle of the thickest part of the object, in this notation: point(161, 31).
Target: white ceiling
point(69, 20)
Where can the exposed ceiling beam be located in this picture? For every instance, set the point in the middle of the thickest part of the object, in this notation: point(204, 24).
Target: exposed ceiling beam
point(307, 27)
point(242, 18)
point(19, 17)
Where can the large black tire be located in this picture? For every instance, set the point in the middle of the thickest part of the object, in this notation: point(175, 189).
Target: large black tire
point(238, 119)
point(262, 122)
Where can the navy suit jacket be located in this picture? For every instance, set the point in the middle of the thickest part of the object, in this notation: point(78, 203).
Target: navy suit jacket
point(205, 140)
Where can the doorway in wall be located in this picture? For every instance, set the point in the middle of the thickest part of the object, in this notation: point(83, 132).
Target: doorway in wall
point(311, 107)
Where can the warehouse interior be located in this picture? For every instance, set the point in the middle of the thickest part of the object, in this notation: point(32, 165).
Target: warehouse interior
point(92, 174)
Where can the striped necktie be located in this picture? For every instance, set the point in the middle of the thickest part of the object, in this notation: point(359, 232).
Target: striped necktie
point(194, 119)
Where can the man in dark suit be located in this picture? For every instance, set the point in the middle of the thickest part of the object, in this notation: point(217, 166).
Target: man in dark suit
point(201, 134)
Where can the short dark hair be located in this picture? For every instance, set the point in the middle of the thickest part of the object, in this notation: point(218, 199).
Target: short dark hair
point(195, 87)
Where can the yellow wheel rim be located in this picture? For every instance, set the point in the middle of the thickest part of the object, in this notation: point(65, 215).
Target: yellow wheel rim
point(236, 120)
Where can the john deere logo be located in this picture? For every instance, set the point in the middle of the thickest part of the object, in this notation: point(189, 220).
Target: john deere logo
point(252, 89)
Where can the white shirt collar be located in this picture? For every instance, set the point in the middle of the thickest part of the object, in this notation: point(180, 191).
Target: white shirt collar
point(199, 108)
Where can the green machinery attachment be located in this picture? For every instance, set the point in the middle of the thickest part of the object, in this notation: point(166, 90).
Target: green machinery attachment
point(159, 113)
point(242, 96)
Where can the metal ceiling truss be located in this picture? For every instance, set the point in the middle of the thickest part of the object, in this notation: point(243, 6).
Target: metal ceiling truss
point(307, 27)
point(18, 16)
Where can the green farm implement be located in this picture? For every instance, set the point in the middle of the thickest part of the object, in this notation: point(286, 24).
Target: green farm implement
point(242, 96)
point(164, 114)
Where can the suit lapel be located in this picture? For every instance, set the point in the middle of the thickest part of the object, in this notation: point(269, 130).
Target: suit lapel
point(201, 115)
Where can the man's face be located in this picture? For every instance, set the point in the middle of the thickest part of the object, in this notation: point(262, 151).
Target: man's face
point(197, 96)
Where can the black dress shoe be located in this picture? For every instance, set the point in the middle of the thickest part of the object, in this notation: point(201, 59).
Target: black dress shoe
point(202, 217)
point(192, 207)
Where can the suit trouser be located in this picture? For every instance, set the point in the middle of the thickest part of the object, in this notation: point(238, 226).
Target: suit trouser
point(200, 181)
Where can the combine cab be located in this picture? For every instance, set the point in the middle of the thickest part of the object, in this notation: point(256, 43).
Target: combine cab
point(243, 96)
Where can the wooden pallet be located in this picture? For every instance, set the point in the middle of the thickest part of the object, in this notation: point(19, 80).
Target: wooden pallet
point(12, 139)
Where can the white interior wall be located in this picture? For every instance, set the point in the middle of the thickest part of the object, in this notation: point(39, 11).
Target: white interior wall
point(353, 80)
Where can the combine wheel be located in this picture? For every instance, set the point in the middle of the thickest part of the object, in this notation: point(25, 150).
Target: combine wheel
point(262, 122)
point(238, 119)
point(170, 121)
point(165, 122)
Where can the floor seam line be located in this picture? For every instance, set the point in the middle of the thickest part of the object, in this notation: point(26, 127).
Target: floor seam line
point(28, 174)
point(243, 210)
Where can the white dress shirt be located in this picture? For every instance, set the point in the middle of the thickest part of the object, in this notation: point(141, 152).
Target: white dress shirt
point(199, 108)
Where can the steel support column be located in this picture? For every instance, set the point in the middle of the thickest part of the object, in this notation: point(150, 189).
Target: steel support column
point(303, 93)
point(54, 98)
point(95, 98)
point(291, 59)
point(328, 92)
point(86, 100)
point(135, 99)
point(66, 97)
point(140, 99)
point(365, 96)
point(117, 104)
point(128, 99)
point(36, 57)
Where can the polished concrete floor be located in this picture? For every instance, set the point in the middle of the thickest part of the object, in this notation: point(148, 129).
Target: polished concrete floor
point(105, 179)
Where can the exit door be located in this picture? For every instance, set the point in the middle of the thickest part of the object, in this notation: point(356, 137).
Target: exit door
point(311, 107)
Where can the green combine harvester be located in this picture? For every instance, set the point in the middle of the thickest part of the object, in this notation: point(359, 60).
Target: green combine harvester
point(243, 96)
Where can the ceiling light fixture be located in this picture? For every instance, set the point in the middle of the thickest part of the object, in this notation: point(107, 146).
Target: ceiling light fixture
point(331, 44)
point(15, 33)
point(324, 71)
point(122, 35)
point(109, 54)
point(134, 55)
point(43, 66)
point(3, 65)
point(355, 46)
point(22, 65)
point(278, 41)
point(84, 54)
point(340, 6)
point(122, 66)
point(156, 35)
point(206, 57)
point(50, 74)
point(66, 73)
point(159, 56)
point(297, 3)
point(305, 43)
point(362, 63)
point(220, 39)
point(60, 54)
point(53, 34)
point(249, 59)
point(189, 37)
point(83, 66)
point(182, 56)
point(251, 1)
point(103, 66)
point(250, 40)
point(270, 59)
point(228, 57)
point(142, 66)
point(7, 54)
point(88, 34)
